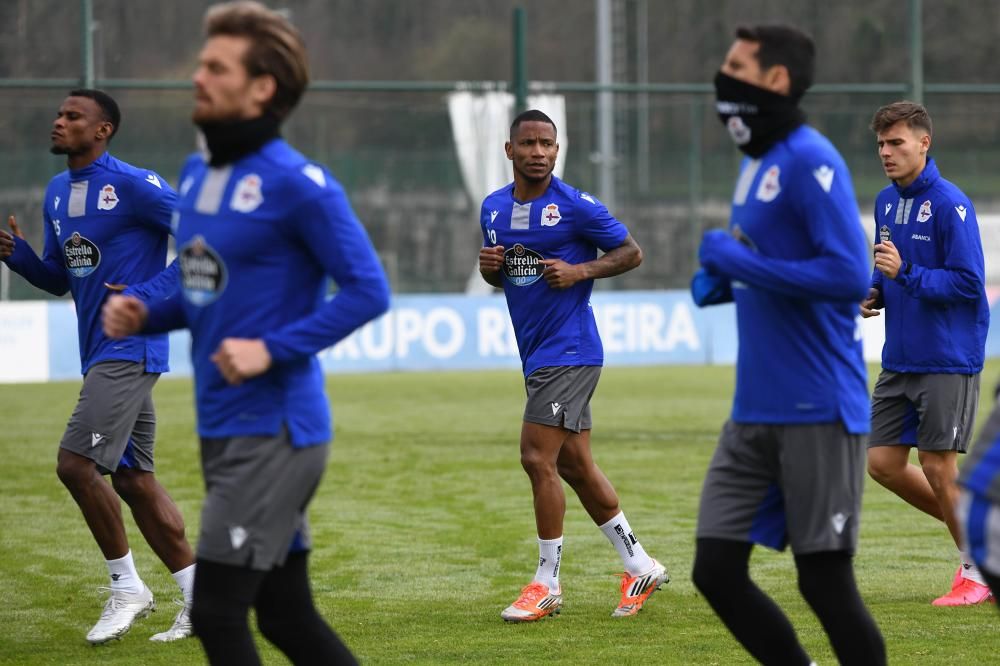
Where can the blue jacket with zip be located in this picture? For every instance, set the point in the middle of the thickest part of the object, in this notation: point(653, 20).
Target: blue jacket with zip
point(936, 312)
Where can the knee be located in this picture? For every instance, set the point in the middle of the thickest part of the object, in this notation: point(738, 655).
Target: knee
point(883, 469)
point(210, 618)
point(536, 464)
point(812, 587)
point(826, 579)
point(571, 471)
point(712, 574)
point(130, 484)
point(74, 471)
point(701, 576)
point(940, 473)
point(278, 626)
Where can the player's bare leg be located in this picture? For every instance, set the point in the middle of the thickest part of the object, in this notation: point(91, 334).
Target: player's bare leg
point(891, 467)
point(130, 599)
point(940, 468)
point(577, 467)
point(162, 526)
point(157, 516)
point(97, 501)
point(540, 446)
point(969, 587)
point(930, 488)
point(643, 575)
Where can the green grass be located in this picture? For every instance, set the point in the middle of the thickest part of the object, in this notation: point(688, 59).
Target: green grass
point(424, 532)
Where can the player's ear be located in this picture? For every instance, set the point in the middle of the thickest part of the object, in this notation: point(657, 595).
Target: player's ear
point(263, 88)
point(777, 79)
point(104, 131)
point(509, 149)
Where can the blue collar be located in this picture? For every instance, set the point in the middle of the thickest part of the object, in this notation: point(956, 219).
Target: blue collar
point(100, 164)
point(924, 181)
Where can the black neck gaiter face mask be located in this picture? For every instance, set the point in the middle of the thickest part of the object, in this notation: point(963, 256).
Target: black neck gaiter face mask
point(230, 140)
point(756, 118)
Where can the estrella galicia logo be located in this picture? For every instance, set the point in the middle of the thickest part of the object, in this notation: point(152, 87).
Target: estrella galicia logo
point(82, 256)
point(203, 274)
point(884, 233)
point(521, 265)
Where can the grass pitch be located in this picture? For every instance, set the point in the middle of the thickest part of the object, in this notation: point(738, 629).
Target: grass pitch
point(424, 532)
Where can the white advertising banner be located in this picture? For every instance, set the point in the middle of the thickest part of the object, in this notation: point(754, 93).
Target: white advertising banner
point(24, 342)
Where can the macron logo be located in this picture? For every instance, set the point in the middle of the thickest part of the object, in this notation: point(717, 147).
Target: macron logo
point(237, 536)
point(493, 215)
point(153, 180)
point(824, 176)
point(315, 174)
point(961, 212)
point(888, 207)
point(555, 408)
point(95, 439)
point(839, 520)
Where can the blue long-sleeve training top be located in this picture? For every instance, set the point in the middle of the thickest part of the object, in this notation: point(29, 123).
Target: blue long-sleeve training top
point(257, 241)
point(105, 223)
point(796, 259)
point(936, 312)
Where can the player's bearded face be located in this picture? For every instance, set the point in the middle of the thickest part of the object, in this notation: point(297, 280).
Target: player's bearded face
point(223, 90)
point(533, 150)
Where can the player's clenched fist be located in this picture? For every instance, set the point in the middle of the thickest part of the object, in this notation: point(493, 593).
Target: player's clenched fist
point(123, 316)
point(239, 359)
point(7, 239)
point(559, 274)
point(491, 259)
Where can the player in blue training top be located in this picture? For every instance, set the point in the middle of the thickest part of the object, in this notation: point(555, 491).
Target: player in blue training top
point(789, 466)
point(979, 501)
point(261, 230)
point(541, 238)
point(930, 277)
point(106, 226)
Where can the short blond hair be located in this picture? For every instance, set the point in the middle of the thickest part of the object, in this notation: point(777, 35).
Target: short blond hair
point(276, 48)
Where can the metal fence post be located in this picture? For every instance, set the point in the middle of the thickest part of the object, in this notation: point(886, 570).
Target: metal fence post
point(520, 82)
point(916, 51)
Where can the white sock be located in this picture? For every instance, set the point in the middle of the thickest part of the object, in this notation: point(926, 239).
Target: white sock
point(969, 568)
point(633, 555)
point(549, 558)
point(185, 581)
point(124, 577)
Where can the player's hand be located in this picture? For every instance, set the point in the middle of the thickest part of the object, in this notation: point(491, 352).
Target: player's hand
point(7, 239)
point(239, 359)
point(887, 259)
point(560, 275)
point(490, 259)
point(12, 222)
point(117, 288)
point(868, 305)
point(123, 316)
point(716, 249)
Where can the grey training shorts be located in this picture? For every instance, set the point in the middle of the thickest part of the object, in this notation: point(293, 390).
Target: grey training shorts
point(114, 423)
point(256, 493)
point(560, 396)
point(933, 412)
point(779, 484)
